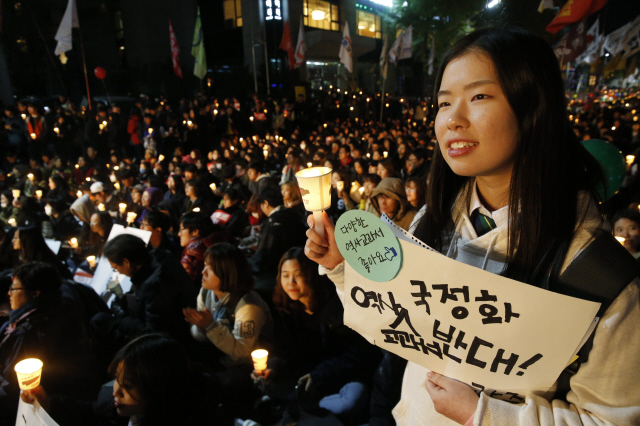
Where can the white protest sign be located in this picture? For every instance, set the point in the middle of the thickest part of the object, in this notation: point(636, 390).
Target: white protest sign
point(104, 272)
point(33, 415)
point(468, 324)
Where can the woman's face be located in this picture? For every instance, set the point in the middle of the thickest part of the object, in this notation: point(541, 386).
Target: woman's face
point(145, 200)
point(190, 191)
point(402, 149)
point(630, 231)
point(17, 296)
point(476, 129)
point(358, 168)
point(293, 281)
point(227, 201)
point(382, 171)
point(81, 161)
point(286, 193)
point(412, 193)
point(388, 205)
point(210, 280)
point(16, 240)
point(376, 155)
point(52, 184)
point(328, 164)
point(335, 178)
point(127, 401)
point(368, 188)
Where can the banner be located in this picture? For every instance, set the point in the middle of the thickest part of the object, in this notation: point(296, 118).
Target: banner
point(33, 415)
point(613, 42)
point(485, 330)
point(69, 21)
point(631, 40)
point(301, 48)
point(346, 53)
point(384, 61)
point(572, 44)
point(287, 45)
point(197, 50)
point(573, 11)
point(405, 50)
point(175, 51)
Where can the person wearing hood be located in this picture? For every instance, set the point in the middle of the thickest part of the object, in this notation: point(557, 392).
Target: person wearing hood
point(390, 198)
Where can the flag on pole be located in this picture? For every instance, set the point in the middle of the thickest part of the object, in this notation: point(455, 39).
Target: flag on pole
point(432, 54)
point(197, 50)
point(301, 47)
point(69, 21)
point(405, 50)
point(384, 59)
point(631, 41)
point(346, 54)
point(573, 11)
point(175, 51)
point(287, 45)
point(395, 48)
point(545, 4)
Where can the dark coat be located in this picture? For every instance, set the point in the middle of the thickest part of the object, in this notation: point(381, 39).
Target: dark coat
point(161, 289)
point(281, 231)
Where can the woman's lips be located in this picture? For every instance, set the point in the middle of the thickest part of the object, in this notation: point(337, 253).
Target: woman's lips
point(458, 148)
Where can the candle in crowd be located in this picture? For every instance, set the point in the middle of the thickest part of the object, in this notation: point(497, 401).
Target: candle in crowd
point(122, 207)
point(38, 194)
point(131, 216)
point(92, 261)
point(73, 243)
point(16, 193)
point(260, 357)
point(29, 372)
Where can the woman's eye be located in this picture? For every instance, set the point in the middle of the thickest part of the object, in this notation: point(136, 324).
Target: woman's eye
point(479, 97)
point(443, 104)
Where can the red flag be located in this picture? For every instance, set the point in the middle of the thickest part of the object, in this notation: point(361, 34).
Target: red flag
point(573, 11)
point(287, 45)
point(175, 51)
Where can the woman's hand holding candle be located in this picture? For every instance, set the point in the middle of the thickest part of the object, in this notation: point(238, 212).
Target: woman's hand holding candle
point(323, 251)
point(36, 394)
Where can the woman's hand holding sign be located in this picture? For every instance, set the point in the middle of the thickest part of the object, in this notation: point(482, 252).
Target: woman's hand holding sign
point(451, 398)
point(324, 251)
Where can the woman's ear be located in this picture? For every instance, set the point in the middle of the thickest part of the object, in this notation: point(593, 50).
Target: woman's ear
point(196, 233)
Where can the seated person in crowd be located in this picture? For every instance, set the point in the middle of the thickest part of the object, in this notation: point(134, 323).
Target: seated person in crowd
point(63, 225)
point(48, 326)
point(293, 199)
point(313, 347)
point(626, 224)
point(159, 224)
point(232, 216)
point(160, 290)
point(31, 246)
point(197, 233)
point(154, 383)
point(198, 197)
point(389, 198)
point(281, 231)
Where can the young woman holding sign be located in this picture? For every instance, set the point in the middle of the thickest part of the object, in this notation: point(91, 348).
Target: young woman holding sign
point(506, 151)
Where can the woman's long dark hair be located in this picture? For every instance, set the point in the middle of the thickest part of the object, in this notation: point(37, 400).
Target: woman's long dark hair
point(33, 248)
point(551, 166)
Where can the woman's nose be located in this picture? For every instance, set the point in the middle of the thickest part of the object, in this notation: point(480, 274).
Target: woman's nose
point(457, 117)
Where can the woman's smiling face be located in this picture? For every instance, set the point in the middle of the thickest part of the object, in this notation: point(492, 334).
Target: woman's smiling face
point(476, 128)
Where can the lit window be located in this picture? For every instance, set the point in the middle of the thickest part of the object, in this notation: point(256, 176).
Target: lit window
point(232, 14)
point(368, 24)
point(321, 14)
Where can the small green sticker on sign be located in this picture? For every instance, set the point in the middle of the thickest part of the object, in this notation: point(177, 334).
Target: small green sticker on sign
point(368, 245)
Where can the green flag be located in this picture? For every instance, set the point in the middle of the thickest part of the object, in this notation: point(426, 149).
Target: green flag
point(197, 50)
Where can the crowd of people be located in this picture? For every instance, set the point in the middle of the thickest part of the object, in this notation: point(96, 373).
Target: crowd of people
point(225, 272)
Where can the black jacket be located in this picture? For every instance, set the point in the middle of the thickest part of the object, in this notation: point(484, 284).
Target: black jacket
point(161, 289)
point(281, 231)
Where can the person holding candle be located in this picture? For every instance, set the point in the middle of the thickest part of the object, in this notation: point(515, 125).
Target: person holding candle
point(45, 323)
point(63, 224)
point(501, 119)
point(332, 364)
point(626, 224)
point(29, 243)
point(7, 209)
point(199, 195)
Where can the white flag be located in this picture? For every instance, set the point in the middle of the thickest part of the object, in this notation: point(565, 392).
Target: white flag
point(432, 54)
point(631, 41)
point(393, 52)
point(346, 54)
point(405, 51)
point(613, 42)
point(301, 48)
point(384, 62)
point(69, 21)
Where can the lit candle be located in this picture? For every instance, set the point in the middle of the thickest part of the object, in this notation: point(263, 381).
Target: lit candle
point(116, 168)
point(361, 190)
point(215, 112)
point(213, 187)
point(101, 207)
point(309, 164)
point(340, 185)
point(39, 194)
point(260, 357)
point(630, 159)
point(88, 179)
point(116, 185)
point(33, 135)
point(77, 166)
point(16, 193)
point(620, 240)
point(92, 261)
point(150, 130)
point(24, 116)
point(101, 126)
point(315, 187)
point(266, 154)
point(12, 222)
point(30, 176)
point(385, 154)
point(368, 155)
point(79, 194)
point(196, 209)
point(104, 123)
point(131, 216)
point(57, 130)
point(325, 125)
point(161, 157)
point(73, 243)
point(29, 372)
point(251, 118)
point(122, 207)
